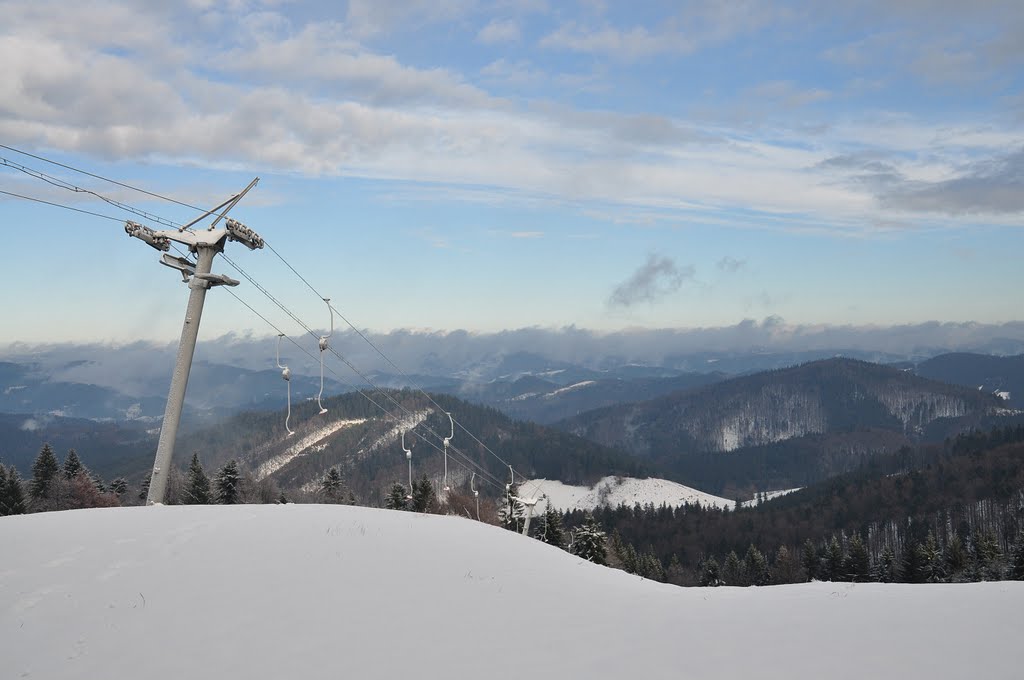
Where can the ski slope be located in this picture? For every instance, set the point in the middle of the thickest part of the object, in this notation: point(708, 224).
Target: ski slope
point(614, 491)
point(313, 592)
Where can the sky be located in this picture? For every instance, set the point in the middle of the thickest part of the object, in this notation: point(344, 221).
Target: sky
point(456, 164)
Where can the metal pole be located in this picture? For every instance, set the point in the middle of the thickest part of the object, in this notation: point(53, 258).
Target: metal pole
point(179, 379)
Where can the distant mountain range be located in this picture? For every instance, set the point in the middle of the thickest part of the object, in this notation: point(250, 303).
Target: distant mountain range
point(827, 415)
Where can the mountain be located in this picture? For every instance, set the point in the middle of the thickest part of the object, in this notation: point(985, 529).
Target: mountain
point(550, 399)
point(364, 443)
point(108, 449)
point(994, 374)
point(303, 591)
point(844, 400)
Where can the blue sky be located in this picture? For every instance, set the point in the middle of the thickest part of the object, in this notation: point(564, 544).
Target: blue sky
point(469, 165)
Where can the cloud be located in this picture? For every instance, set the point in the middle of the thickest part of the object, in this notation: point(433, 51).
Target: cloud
point(787, 94)
point(730, 264)
point(993, 186)
point(699, 25)
point(498, 31)
point(527, 234)
point(655, 279)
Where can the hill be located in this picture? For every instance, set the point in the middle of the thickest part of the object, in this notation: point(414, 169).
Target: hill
point(317, 591)
point(849, 409)
point(987, 373)
point(364, 444)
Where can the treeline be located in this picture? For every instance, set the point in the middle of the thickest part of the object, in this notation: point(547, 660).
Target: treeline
point(953, 512)
point(70, 485)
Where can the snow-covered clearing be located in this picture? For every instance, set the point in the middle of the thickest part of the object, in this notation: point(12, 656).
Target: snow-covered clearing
point(569, 388)
point(314, 592)
point(274, 464)
point(613, 491)
point(768, 495)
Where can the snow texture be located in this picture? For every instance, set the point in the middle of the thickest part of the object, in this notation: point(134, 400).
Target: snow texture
point(322, 592)
point(614, 491)
point(274, 464)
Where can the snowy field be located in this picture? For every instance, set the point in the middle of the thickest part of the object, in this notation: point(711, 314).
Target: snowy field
point(613, 491)
point(308, 592)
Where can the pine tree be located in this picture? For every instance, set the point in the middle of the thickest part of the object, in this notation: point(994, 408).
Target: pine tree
point(588, 541)
point(119, 486)
point(4, 500)
point(1017, 558)
point(832, 561)
point(226, 483)
point(732, 571)
point(710, 574)
point(551, 531)
point(857, 566)
point(933, 567)
point(423, 497)
point(72, 465)
point(332, 486)
point(886, 572)
point(756, 567)
point(912, 566)
point(197, 484)
point(44, 469)
point(396, 498)
point(785, 570)
point(988, 556)
point(15, 493)
point(809, 560)
point(144, 488)
point(955, 555)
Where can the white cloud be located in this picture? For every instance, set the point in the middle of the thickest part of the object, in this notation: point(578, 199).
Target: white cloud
point(499, 31)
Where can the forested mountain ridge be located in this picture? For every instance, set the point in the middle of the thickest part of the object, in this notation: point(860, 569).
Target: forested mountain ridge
point(833, 395)
point(1002, 374)
point(356, 437)
point(949, 511)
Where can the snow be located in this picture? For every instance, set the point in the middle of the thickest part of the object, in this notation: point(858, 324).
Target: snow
point(315, 592)
point(274, 464)
point(768, 495)
point(569, 388)
point(613, 491)
point(1003, 394)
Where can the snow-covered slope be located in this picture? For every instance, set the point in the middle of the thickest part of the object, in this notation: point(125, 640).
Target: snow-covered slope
point(313, 592)
point(613, 491)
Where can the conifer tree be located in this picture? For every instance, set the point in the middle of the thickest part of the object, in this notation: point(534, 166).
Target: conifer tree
point(226, 483)
point(551, 528)
point(588, 542)
point(144, 487)
point(756, 567)
point(785, 569)
point(1017, 558)
point(119, 486)
point(332, 486)
point(832, 562)
point(933, 567)
point(988, 556)
point(912, 566)
point(15, 493)
point(197, 484)
point(710, 574)
point(396, 498)
point(857, 566)
point(44, 470)
point(4, 493)
point(886, 572)
point(423, 497)
point(955, 555)
point(72, 465)
point(732, 571)
point(809, 560)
